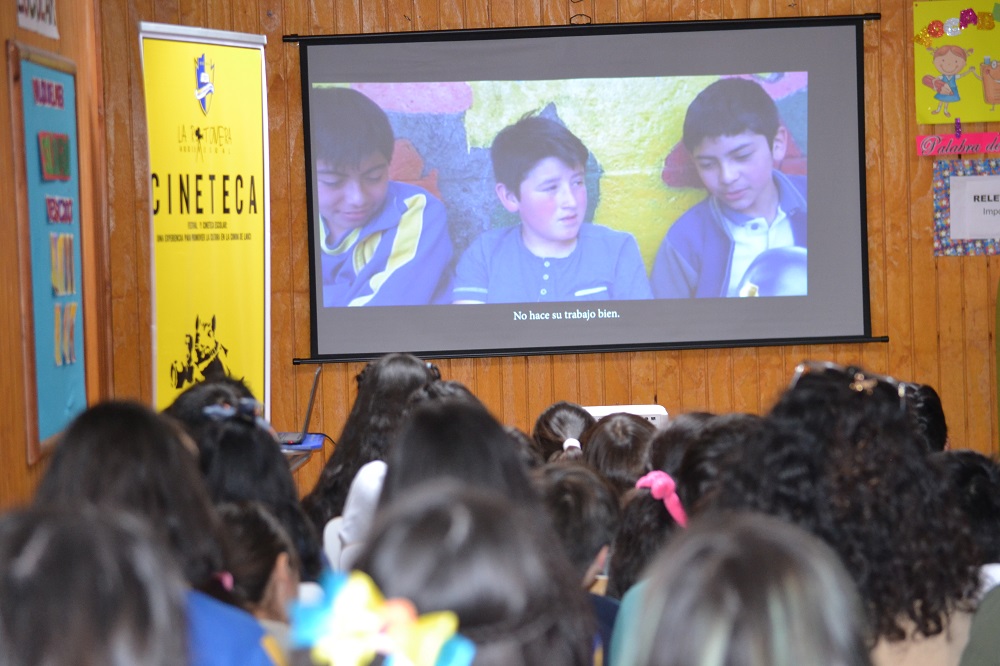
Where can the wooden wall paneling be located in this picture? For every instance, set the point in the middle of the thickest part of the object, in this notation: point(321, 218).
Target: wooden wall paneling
point(347, 17)
point(501, 14)
point(452, 14)
point(822, 7)
point(605, 11)
point(668, 381)
point(708, 10)
point(14, 470)
point(773, 373)
point(734, 9)
point(719, 375)
point(951, 343)
point(553, 12)
point(590, 368)
point(192, 12)
point(642, 375)
point(219, 13)
point(618, 379)
point(992, 273)
point(374, 15)
point(979, 376)
point(875, 191)
point(316, 17)
point(527, 12)
point(489, 384)
point(281, 70)
point(477, 14)
point(746, 385)
point(168, 11)
point(515, 381)
point(399, 16)
point(897, 174)
point(684, 10)
point(760, 8)
point(632, 11)
point(565, 378)
point(539, 387)
point(694, 380)
point(428, 14)
point(117, 28)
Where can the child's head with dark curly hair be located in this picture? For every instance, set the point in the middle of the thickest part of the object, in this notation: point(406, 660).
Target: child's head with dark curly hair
point(878, 500)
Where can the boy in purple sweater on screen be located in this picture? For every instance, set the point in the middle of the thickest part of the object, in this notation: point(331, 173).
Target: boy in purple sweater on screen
point(736, 140)
point(383, 242)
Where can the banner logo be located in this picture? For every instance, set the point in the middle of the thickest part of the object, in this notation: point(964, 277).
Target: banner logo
point(205, 75)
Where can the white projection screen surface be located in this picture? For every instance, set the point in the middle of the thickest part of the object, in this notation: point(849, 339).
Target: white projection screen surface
point(673, 232)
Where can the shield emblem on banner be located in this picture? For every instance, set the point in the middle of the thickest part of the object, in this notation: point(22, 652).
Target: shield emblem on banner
point(205, 77)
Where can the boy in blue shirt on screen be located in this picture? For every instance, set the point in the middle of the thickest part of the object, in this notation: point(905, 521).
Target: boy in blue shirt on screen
point(736, 140)
point(383, 242)
point(552, 255)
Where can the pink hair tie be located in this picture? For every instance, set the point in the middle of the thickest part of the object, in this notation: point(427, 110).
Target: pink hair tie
point(662, 487)
point(225, 580)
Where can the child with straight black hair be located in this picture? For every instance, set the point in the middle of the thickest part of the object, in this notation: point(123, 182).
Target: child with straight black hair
point(583, 509)
point(653, 512)
point(735, 137)
point(122, 456)
point(561, 422)
point(451, 547)
point(242, 461)
point(384, 389)
point(82, 587)
point(617, 446)
point(554, 254)
point(383, 242)
point(264, 566)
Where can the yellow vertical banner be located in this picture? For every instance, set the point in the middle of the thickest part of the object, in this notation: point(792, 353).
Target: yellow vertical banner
point(207, 122)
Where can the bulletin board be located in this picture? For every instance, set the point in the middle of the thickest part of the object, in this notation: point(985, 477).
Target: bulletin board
point(43, 104)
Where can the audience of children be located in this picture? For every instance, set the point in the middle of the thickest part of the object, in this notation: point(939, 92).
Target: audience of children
point(821, 533)
point(121, 456)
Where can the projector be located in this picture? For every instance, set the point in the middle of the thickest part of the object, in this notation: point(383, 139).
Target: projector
point(655, 414)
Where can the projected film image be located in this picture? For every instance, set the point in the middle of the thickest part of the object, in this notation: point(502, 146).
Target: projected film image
point(560, 191)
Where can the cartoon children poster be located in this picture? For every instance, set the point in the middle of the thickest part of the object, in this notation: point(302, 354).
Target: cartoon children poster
point(956, 50)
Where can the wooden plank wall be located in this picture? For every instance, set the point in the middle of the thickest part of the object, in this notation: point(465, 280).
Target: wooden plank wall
point(937, 313)
point(81, 44)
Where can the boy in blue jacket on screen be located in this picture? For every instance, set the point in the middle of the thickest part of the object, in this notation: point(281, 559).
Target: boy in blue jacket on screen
point(383, 242)
point(736, 141)
point(553, 254)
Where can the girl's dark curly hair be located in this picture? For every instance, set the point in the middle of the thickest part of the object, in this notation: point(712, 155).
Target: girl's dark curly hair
point(879, 502)
point(384, 387)
point(975, 482)
point(646, 527)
